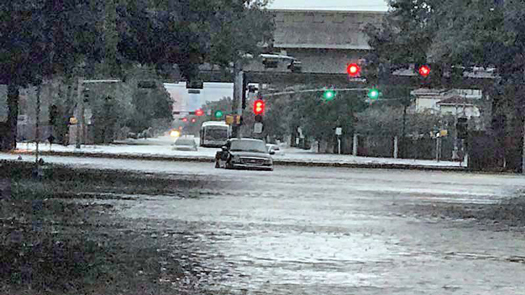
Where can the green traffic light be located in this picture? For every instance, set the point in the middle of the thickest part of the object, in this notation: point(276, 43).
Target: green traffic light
point(373, 93)
point(328, 95)
point(219, 114)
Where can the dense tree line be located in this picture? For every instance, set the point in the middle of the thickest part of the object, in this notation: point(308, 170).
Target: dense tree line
point(456, 36)
point(59, 40)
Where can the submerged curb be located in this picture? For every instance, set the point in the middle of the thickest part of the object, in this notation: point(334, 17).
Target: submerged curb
point(277, 162)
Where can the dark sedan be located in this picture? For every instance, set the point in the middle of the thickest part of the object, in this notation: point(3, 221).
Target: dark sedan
point(244, 153)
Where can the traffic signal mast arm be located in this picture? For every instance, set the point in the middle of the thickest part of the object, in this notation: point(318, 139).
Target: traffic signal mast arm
point(333, 89)
point(315, 90)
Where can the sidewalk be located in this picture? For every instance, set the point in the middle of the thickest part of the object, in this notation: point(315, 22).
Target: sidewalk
point(161, 149)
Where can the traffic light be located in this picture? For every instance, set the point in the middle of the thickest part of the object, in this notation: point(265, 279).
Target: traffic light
point(218, 114)
point(353, 70)
point(53, 114)
point(258, 107)
point(85, 91)
point(193, 120)
point(184, 120)
point(199, 112)
point(462, 128)
point(329, 94)
point(373, 93)
point(424, 71)
point(147, 84)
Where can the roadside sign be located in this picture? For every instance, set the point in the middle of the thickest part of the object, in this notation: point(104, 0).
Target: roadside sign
point(338, 131)
point(237, 119)
point(195, 84)
point(229, 119)
point(257, 128)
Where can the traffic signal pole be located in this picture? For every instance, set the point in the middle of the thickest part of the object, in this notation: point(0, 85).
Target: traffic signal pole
point(80, 107)
point(237, 98)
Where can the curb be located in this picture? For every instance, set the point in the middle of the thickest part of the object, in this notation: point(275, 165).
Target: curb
point(276, 162)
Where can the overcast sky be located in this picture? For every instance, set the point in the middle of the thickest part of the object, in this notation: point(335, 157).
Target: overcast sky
point(361, 5)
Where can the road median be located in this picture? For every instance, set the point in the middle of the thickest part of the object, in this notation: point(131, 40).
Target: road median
point(278, 162)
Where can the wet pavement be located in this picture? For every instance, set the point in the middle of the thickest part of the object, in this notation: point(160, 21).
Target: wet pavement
point(304, 230)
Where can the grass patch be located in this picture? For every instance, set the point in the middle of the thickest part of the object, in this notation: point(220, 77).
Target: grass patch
point(74, 264)
point(51, 245)
point(508, 213)
point(66, 182)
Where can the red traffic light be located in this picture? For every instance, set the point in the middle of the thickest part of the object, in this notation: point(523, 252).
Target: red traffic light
point(353, 70)
point(424, 71)
point(199, 112)
point(193, 120)
point(184, 119)
point(258, 107)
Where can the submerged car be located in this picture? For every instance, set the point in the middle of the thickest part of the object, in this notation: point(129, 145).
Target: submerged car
point(244, 153)
point(185, 144)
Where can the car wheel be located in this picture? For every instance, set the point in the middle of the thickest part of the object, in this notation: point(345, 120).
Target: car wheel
point(229, 165)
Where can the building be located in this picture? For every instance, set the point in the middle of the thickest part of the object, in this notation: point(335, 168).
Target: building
point(458, 106)
point(323, 41)
point(184, 102)
point(426, 100)
point(460, 102)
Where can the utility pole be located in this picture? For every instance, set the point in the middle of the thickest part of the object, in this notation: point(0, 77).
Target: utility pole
point(80, 112)
point(455, 155)
point(403, 132)
point(37, 131)
point(523, 151)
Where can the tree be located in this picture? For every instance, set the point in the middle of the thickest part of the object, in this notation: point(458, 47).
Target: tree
point(37, 40)
point(456, 36)
point(319, 118)
point(278, 117)
point(148, 106)
point(225, 105)
point(44, 39)
point(189, 33)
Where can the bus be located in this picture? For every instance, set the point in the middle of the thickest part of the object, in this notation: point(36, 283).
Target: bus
point(214, 134)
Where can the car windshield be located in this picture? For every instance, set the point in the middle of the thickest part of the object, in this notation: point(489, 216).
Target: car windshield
point(185, 141)
point(248, 146)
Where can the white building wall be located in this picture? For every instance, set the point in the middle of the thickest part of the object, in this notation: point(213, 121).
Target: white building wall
point(185, 102)
point(468, 111)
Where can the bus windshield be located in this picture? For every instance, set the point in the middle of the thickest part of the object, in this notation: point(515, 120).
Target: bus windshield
point(216, 133)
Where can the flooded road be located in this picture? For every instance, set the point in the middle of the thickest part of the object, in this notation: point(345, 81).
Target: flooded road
point(337, 231)
point(301, 230)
